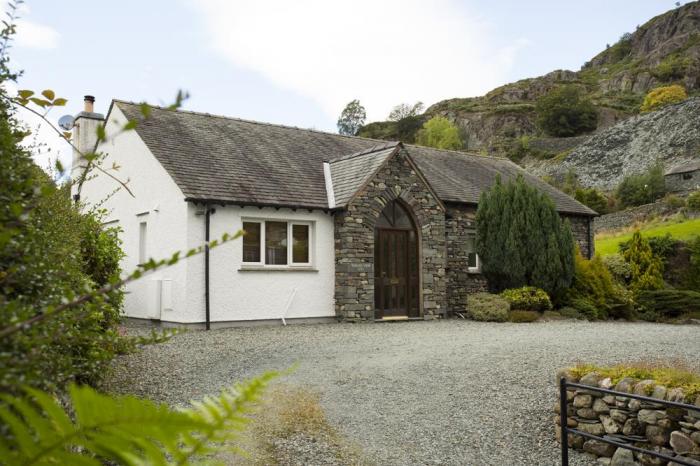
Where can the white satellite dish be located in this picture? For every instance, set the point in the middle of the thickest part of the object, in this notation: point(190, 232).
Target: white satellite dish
point(66, 122)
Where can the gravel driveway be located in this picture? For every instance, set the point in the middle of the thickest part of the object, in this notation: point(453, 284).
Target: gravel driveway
point(442, 392)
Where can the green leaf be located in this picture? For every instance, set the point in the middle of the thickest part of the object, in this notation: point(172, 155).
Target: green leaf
point(101, 133)
point(49, 94)
point(131, 124)
point(145, 110)
point(60, 102)
point(25, 93)
point(40, 102)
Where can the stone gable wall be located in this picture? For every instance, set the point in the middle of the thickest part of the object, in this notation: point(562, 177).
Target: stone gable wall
point(460, 283)
point(354, 241)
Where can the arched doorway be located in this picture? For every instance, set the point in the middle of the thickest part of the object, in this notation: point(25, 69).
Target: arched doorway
point(396, 265)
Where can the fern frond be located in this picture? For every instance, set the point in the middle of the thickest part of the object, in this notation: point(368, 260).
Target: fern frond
point(124, 429)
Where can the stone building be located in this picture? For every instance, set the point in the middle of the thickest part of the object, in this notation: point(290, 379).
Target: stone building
point(683, 178)
point(336, 226)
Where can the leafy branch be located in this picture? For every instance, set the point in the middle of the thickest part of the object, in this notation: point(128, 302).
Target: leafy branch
point(150, 266)
point(125, 429)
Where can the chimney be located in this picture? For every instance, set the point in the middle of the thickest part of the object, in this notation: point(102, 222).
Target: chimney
point(89, 103)
point(84, 135)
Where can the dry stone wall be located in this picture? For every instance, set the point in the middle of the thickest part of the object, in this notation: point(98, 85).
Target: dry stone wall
point(668, 430)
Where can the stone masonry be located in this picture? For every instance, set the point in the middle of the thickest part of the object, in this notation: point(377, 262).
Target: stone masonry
point(582, 229)
point(445, 281)
point(354, 240)
point(460, 283)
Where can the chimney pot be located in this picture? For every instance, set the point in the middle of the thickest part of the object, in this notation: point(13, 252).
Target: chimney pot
point(89, 103)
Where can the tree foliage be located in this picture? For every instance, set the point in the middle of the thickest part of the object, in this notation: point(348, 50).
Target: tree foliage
point(352, 118)
point(563, 112)
point(663, 96)
point(522, 240)
point(592, 198)
point(642, 188)
point(440, 133)
point(126, 430)
point(595, 293)
point(404, 110)
point(646, 268)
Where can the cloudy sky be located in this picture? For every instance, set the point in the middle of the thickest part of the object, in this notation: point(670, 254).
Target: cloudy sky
point(299, 62)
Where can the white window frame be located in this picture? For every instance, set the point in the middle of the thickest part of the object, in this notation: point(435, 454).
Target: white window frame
point(290, 246)
point(477, 268)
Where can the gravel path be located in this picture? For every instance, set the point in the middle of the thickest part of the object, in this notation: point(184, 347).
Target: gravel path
point(443, 392)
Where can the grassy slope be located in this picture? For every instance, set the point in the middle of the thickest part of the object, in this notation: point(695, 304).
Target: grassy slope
point(607, 244)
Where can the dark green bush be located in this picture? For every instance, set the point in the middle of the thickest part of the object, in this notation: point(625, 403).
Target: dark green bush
point(692, 276)
point(564, 112)
point(592, 198)
point(668, 303)
point(522, 240)
point(571, 313)
point(587, 309)
point(487, 307)
point(644, 188)
point(527, 298)
point(693, 201)
point(50, 252)
point(523, 316)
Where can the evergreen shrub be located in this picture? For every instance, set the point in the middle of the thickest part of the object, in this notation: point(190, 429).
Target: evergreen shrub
point(524, 316)
point(521, 239)
point(527, 298)
point(487, 307)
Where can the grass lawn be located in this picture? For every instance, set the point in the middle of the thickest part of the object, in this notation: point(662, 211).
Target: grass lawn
point(607, 243)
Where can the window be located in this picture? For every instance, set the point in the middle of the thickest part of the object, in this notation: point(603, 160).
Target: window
point(143, 255)
point(251, 242)
point(687, 176)
point(300, 244)
point(277, 243)
point(472, 257)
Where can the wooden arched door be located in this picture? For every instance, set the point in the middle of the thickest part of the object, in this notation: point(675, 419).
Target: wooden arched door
point(396, 265)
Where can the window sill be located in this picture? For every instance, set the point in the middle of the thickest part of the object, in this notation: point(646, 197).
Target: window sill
point(474, 271)
point(272, 268)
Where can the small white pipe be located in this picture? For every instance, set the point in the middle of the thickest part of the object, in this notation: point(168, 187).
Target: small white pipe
point(289, 304)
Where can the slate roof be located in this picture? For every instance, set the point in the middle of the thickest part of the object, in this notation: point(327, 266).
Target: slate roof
point(350, 172)
point(230, 160)
point(685, 168)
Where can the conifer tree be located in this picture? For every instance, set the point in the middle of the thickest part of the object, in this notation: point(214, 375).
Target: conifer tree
point(646, 268)
point(521, 239)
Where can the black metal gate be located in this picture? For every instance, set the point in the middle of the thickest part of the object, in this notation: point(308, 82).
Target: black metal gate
point(565, 430)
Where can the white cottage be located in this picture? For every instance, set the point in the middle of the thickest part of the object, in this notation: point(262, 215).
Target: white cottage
point(337, 226)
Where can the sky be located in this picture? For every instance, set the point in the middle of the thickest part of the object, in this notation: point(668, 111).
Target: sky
point(299, 62)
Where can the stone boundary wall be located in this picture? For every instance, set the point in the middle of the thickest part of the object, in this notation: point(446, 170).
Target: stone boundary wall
point(626, 218)
point(668, 430)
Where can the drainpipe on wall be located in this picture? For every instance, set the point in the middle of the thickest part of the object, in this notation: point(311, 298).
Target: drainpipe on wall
point(208, 211)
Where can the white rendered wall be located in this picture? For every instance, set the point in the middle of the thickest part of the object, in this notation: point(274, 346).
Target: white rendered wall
point(237, 295)
point(158, 201)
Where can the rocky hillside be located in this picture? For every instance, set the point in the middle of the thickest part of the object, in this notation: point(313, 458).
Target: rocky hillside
point(664, 50)
point(670, 136)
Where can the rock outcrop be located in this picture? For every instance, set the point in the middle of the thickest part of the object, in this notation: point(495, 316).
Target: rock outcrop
point(664, 50)
point(670, 136)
